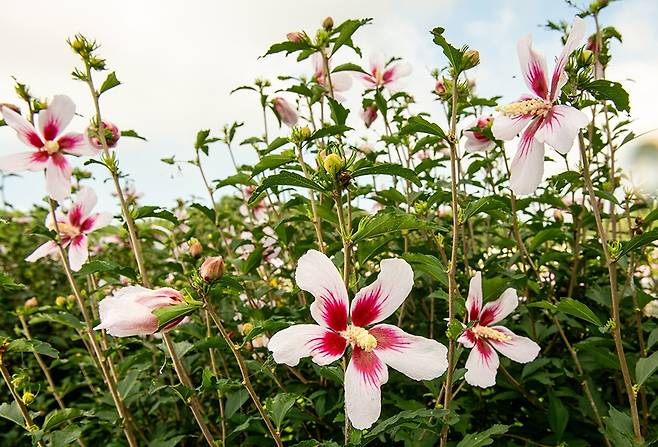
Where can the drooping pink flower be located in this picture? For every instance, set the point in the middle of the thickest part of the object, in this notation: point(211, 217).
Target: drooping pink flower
point(369, 115)
point(74, 227)
point(129, 310)
point(544, 121)
point(286, 112)
point(484, 339)
point(49, 147)
point(341, 81)
point(477, 141)
point(382, 75)
point(373, 349)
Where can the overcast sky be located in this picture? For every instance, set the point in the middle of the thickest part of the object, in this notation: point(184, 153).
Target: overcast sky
point(178, 62)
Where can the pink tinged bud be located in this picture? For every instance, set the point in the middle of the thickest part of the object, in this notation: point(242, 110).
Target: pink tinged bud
point(32, 302)
point(440, 87)
point(295, 37)
point(129, 311)
point(369, 115)
point(195, 248)
point(111, 133)
point(212, 269)
point(286, 113)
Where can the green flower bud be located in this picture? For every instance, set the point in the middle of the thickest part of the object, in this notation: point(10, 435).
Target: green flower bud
point(333, 164)
point(471, 59)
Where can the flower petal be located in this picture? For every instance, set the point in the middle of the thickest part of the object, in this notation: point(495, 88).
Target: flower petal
point(533, 67)
point(123, 318)
point(43, 250)
point(341, 82)
point(474, 300)
point(495, 311)
point(527, 167)
point(76, 144)
point(58, 177)
point(560, 127)
point(506, 128)
point(317, 275)
point(24, 161)
point(78, 252)
point(95, 221)
point(364, 376)
point(520, 349)
point(56, 117)
point(482, 365)
point(25, 131)
point(467, 339)
point(416, 357)
point(289, 345)
point(380, 299)
point(574, 41)
point(85, 201)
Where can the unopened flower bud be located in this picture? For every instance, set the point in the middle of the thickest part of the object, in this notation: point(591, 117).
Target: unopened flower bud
point(557, 215)
point(295, 37)
point(321, 38)
point(286, 112)
point(110, 131)
point(60, 301)
point(369, 115)
point(195, 248)
point(471, 59)
point(651, 309)
point(421, 207)
point(32, 302)
point(212, 269)
point(440, 87)
point(10, 107)
point(333, 164)
point(586, 57)
point(246, 328)
point(300, 134)
point(27, 398)
point(328, 23)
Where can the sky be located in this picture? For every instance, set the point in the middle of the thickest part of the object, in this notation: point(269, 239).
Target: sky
point(178, 62)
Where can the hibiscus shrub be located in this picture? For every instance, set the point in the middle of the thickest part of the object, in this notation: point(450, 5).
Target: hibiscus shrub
point(418, 289)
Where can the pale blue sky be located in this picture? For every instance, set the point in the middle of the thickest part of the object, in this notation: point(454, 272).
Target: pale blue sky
point(179, 61)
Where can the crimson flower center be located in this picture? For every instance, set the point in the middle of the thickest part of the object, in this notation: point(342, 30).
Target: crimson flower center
point(358, 336)
point(489, 333)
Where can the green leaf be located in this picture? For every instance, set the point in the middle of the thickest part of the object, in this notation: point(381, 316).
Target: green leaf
point(8, 285)
point(418, 124)
point(638, 242)
point(645, 367)
point(349, 67)
point(288, 47)
point(605, 90)
point(483, 438)
point(57, 417)
point(279, 406)
point(649, 218)
point(132, 134)
point(25, 345)
point(104, 266)
point(208, 212)
point(329, 131)
point(454, 55)
point(346, 30)
point(338, 112)
point(169, 314)
point(577, 309)
point(558, 416)
point(110, 82)
point(428, 264)
point(154, 211)
point(482, 206)
point(236, 179)
point(63, 318)
point(276, 143)
point(619, 428)
point(388, 169)
point(12, 413)
point(406, 415)
point(385, 222)
point(653, 338)
point(547, 234)
point(284, 178)
point(273, 161)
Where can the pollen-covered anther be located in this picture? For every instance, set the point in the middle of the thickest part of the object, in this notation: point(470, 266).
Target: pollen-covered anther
point(51, 146)
point(535, 107)
point(358, 336)
point(66, 229)
point(489, 333)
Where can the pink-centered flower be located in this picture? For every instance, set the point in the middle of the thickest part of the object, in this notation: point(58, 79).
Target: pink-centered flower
point(383, 75)
point(129, 311)
point(74, 227)
point(49, 146)
point(544, 121)
point(340, 82)
point(340, 325)
point(286, 112)
point(484, 338)
point(477, 141)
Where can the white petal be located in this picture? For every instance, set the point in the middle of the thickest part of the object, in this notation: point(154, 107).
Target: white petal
point(23, 161)
point(416, 357)
point(506, 128)
point(574, 41)
point(78, 252)
point(289, 345)
point(474, 300)
point(96, 221)
point(482, 365)
point(380, 299)
point(86, 199)
point(527, 167)
point(46, 249)
point(560, 127)
point(58, 177)
point(25, 131)
point(520, 349)
point(533, 67)
point(364, 376)
point(317, 275)
point(495, 311)
point(58, 115)
point(341, 81)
